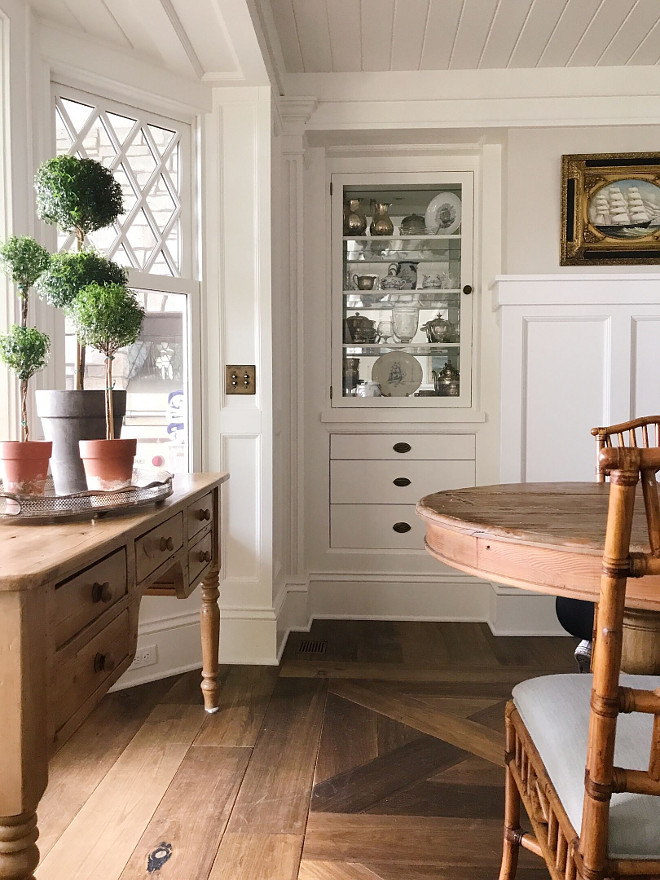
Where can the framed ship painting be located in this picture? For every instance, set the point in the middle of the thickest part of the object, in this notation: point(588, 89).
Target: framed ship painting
point(610, 209)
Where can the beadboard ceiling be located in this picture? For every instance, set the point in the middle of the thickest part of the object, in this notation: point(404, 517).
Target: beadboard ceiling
point(333, 36)
point(208, 39)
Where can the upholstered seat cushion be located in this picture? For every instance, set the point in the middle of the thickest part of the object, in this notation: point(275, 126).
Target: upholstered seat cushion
point(555, 711)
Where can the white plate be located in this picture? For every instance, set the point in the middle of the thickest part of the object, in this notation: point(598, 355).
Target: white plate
point(443, 215)
point(398, 374)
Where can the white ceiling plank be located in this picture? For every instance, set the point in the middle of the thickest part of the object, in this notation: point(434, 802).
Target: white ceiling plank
point(377, 33)
point(314, 35)
point(56, 12)
point(409, 28)
point(648, 51)
point(645, 16)
point(287, 32)
point(160, 40)
point(345, 37)
point(441, 30)
point(507, 25)
point(95, 19)
point(604, 26)
point(569, 31)
point(473, 30)
point(543, 17)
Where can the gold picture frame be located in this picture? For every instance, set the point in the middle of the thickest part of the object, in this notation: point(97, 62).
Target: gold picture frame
point(610, 206)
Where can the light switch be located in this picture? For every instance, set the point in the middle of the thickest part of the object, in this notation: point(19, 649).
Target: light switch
point(240, 379)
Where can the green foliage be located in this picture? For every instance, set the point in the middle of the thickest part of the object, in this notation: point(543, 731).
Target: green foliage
point(24, 350)
point(107, 317)
point(23, 260)
point(68, 273)
point(78, 195)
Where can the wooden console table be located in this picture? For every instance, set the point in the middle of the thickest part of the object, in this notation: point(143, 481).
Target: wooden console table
point(69, 601)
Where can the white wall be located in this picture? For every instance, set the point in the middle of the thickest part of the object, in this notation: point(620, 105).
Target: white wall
point(533, 189)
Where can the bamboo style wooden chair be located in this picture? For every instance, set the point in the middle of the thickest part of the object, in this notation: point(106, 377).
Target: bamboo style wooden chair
point(632, 433)
point(602, 821)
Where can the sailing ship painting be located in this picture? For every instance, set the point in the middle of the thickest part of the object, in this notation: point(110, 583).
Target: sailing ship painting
point(626, 209)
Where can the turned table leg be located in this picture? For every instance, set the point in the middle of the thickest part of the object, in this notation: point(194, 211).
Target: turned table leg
point(19, 855)
point(210, 626)
point(641, 642)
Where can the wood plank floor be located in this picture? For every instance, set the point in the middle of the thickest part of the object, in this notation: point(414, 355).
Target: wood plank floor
point(374, 752)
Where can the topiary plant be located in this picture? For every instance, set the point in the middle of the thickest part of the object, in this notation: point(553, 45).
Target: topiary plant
point(107, 317)
point(23, 260)
point(25, 351)
point(69, 273)
point(79, 196)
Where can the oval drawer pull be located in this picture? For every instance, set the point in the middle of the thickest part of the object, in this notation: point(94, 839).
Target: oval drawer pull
point(204, 514)
point(401, 481)
point(101, 592)
point(402, 447)
point(402, 527)
point(103, 662)
point(166, 544)
point(204, 556)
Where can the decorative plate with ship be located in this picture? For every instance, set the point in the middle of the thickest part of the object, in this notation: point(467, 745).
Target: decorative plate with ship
point(398, 373)
point(626, 209)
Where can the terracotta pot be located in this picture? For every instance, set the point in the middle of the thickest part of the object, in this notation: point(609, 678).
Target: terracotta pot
point(108, 463)
point(25, 466)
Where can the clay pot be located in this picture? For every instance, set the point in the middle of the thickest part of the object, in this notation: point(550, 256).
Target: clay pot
point(108, 463)
point(25, 466)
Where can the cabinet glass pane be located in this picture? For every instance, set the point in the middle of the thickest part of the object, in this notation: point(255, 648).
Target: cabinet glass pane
point(401, 291)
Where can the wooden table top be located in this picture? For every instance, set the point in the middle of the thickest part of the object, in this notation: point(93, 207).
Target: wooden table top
point(546, 537)
point(31, 555)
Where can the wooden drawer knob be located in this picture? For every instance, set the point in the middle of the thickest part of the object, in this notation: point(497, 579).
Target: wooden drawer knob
point(204, 514)
point(402, 447)
point(402, 527)
point(204, 556)
point(166, 544)
point(103, 662)
point(401, 481)
point(101, 592)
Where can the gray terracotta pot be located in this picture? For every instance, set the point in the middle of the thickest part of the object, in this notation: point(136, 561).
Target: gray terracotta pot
point(66, 418)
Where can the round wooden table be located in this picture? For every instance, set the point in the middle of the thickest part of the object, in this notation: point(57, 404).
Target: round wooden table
point(546, 537)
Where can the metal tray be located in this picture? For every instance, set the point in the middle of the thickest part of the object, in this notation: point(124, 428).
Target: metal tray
point(147, 487)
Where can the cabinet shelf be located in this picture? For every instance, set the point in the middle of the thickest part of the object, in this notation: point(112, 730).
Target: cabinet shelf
point(402, 237)
point(353, 349)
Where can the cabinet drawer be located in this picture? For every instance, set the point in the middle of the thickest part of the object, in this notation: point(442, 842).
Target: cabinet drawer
point(156, 546)
point(373, 482)
point(79, 673)
point(370, 527)
point(83, 598)
point(199, 558)
point(199, 514)
point(400, 446)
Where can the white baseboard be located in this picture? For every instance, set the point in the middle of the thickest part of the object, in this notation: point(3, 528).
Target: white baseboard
point(514, 612)
point(257, 636)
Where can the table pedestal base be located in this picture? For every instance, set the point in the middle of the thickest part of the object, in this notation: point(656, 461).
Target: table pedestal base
point(19, 855)
point(641, 642)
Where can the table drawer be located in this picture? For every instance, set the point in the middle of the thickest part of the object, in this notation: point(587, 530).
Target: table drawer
point(372, 527)
point(199, 558)
point(199, 514)
point(79, 673)
point(400, 446)
point(83, 598)
point(395, 482)
point(156, 546)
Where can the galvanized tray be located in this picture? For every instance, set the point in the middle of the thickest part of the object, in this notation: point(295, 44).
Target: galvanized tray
point(147, 487)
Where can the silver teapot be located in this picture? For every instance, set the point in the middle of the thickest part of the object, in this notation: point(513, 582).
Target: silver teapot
point(359, 329)
point(438, 330)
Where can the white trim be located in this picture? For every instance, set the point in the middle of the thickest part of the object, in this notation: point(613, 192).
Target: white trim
point(607, 288)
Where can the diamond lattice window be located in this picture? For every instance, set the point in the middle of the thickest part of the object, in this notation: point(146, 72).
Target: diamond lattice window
point(145, 159)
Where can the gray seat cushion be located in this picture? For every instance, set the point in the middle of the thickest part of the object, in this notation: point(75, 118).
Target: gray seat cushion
point(555, 711)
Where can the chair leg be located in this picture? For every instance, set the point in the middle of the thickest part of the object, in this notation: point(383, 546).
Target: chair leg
point(512, 830)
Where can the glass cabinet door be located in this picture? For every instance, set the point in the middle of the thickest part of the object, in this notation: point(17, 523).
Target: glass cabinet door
point(402, 323)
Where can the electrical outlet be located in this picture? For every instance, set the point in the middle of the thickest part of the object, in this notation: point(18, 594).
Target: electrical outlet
point(145, 656)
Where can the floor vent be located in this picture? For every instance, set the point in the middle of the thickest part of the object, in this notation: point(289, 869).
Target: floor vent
point(309, 646)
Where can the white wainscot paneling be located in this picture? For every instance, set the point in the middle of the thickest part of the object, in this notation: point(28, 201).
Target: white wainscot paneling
point(241, 457)
point(565, 373)
point(646, 365)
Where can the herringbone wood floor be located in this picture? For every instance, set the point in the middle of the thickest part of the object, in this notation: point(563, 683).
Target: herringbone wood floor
point(374, 752)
